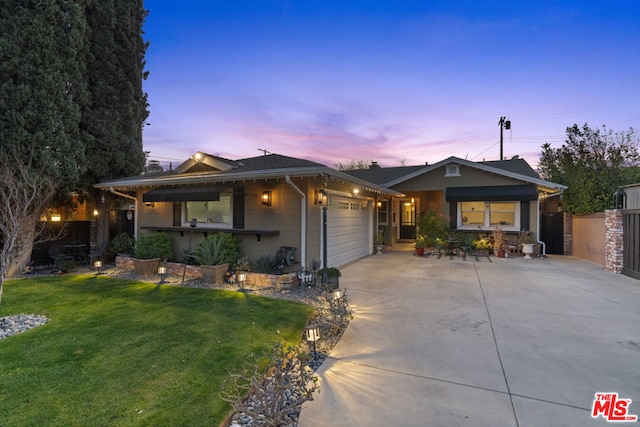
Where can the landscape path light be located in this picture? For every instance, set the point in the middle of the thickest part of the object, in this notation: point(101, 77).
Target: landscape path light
point(312, 333)
point(162, 270)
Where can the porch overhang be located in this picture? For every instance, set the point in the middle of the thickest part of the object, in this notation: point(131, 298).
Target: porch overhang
point(492, 193)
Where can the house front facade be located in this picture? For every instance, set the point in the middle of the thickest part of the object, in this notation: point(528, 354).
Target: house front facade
point(268, 202)
point(475, 197)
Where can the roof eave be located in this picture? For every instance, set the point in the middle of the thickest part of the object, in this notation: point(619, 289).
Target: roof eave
point(144, 181)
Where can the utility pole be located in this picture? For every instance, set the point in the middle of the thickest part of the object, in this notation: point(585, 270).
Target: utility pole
point(504, 124)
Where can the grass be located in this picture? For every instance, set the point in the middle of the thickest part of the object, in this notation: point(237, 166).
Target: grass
point(123, 353)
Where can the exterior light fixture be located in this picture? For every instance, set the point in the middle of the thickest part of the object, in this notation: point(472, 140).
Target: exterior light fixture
point(95, 212)
point(266, 197)
point(162, 270)
point(242, 276)
point(379, 204)
point(56, 217)
point(312, 333)
point(98, 264)
point(356, 191)
point(321, 197)
point(198, 156)
point(149, 204)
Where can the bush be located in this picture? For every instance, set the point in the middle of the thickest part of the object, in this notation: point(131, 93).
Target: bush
point(156, 245)
point(432, 226)
point(122, 244)
point(216, 249)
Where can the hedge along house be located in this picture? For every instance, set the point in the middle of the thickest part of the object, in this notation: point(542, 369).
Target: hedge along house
point(475, 196)
point(268, 202)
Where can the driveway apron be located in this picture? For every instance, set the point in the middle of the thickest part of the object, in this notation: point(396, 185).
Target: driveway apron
point(479, 342)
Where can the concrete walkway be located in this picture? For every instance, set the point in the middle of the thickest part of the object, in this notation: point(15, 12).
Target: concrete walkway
point(506, 342)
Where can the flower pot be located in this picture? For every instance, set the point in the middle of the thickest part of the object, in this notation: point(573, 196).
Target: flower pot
point(146, 267)
point(420, 251)
point(214, 273)
point(527, 250)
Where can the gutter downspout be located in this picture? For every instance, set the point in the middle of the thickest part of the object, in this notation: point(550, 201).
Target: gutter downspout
point(135, 210)
point(544, 245)
point(303, 222)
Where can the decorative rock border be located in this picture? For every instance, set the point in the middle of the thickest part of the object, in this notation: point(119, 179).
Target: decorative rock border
point(13, 325)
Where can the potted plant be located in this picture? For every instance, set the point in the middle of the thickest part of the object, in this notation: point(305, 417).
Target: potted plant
point(149, 250)
point(379, 243)
point(243, 264)
point(421, 243)
point(333, 278)
point(214, 253)
point(497, 236)
point(527, 240)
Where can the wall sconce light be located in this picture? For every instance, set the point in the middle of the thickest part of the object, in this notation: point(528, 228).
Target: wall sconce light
point(312, 333)
point(321, 197)
point(95, 212)
point(98, 264)
point(150, 204)
point(162, 270)
point(43, 218)
point(266, 197)
point(56, 217)
point(356, 191)
point(242, 276)
point(379, 204)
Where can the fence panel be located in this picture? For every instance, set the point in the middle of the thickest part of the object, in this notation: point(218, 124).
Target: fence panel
point(631, 253)
point(589, 237)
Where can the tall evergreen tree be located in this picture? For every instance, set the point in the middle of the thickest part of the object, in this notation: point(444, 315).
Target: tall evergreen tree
point(113, 119)
point(593, 163)
point(42, 91)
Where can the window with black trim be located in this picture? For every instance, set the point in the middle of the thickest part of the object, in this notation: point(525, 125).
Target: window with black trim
point(214, 213)
point(489, 215)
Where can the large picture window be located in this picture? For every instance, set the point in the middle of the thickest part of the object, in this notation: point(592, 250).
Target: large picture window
point(216, 213)
point(489, 215)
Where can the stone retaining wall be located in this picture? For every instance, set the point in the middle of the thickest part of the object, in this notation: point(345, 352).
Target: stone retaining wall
point(277, 281)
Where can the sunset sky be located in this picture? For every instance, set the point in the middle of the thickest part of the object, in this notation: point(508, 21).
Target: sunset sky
point(397, 82)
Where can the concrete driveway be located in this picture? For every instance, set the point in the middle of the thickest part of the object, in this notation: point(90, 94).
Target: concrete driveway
point(449, 342)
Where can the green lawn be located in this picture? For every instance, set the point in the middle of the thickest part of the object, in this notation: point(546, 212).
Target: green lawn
point(118, 352)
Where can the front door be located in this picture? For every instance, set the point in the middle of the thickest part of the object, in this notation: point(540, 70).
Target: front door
point(407, 219)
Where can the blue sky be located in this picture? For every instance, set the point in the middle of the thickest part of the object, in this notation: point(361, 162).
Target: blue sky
point(397, 82)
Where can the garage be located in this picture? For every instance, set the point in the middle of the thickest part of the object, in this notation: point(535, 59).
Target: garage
point(348, 225)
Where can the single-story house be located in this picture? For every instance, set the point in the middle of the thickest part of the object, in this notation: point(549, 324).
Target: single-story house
point(267, 202)
point(475, 196)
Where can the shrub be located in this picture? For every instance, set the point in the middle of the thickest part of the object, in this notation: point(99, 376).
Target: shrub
point(216, 249)
point(432, 226)
point(122, 244)
point(156, 245)
point(266, 264)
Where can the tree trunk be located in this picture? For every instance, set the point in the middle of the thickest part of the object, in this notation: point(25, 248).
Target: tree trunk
point(102, 221)
point(21, 253)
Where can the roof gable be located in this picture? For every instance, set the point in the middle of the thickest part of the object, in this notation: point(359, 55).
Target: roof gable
point(524, 174)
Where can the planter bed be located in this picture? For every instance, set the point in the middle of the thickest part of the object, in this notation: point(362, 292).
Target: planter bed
point(258, 280)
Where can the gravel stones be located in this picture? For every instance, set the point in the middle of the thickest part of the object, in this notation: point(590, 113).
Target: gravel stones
point(12, 325)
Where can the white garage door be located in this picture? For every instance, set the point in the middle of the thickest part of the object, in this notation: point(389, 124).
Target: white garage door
point(347, 231)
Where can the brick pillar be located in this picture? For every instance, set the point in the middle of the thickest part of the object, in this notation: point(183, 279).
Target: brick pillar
point(614, 240)
point(567, 241)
